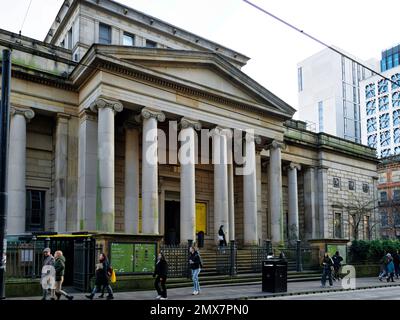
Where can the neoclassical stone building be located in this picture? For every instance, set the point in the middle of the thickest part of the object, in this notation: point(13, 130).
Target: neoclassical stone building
point(87, 104)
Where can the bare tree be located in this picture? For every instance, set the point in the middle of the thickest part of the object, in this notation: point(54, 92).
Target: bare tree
point(358, 209)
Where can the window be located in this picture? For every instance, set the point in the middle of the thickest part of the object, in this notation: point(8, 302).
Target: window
point(396, 217)
point(336, 182)
point(385, 153)
point(397, 150)
point(385, 138)
point(35, 210)
point(371, 125)
point(371, 107)
point(384, 103)
point(396, 195)
point(104, 34)
point(372, 141)
point(396, 99)
point(128, 40)
point(370, 91)
point(384, 219)
point(396, 118)
point(382, 86)
point(384, 121)
point(383, 65)
point(300, 78)
point(321, 116)
point(151, 44)
point(396, 136)
point(69, 39)
point(383, 196)
point(395, 78)
point(365, 187)
point(352, 185)
point(338, 225)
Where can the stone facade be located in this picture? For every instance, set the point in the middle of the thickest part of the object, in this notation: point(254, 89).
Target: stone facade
point(91, 126)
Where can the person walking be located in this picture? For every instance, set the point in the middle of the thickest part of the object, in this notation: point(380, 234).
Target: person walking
point(161, 272)
point(396, 262)
point(195, 265)
point(337, 262)
point(384, 262)
point(221, 236)
point(48, 274)
point(327, 265)
point(390, 268)
point(59, 265)
point(103, 274)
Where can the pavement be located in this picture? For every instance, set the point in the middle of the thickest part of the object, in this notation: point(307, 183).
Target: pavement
point(246, 291)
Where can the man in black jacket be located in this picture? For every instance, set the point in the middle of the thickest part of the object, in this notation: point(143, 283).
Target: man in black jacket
point(161, 271)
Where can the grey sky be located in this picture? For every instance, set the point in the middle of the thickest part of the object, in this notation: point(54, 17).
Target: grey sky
point(362, 28)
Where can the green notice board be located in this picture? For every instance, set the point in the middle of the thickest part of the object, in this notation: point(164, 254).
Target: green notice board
point(145, 257)
point(133, 257)
point(332, 248)
point(122, 257)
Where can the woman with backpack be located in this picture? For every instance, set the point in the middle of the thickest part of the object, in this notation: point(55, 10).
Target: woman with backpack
point(195, 265)
point(103, 274)
point(161, 272)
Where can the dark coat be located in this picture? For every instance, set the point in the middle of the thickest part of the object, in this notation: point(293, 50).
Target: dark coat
point(327, 263)
point(195, 257)
point(337, 260)
point(102, 273)
point(161, 269)
point(59, 265)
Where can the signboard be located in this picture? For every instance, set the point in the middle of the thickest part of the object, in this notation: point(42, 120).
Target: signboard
point(122, 257)
point(133, 257)
point(145, 257)
point(332, 248)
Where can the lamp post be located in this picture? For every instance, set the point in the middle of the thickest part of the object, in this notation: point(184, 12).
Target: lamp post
point(34, 238)
point(4, 128)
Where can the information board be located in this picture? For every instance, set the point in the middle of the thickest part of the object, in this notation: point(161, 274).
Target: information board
point(145, 257)
point(122, 257)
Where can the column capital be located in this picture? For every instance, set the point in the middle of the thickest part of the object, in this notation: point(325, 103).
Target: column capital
point(294, 165)
point(218, 130)
point(101, 103)
point(190, 123)
point(27, 113)
point(275, 145)
point(63, 116)
point(147, 113)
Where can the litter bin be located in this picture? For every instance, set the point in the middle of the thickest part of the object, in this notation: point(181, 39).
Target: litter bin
point(200, 239)
point(274, 275)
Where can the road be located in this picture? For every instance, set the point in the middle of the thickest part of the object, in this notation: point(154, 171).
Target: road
point(388, 293)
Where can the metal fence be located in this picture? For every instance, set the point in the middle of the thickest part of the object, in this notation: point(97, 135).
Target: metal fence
point(258, 254)
point(226, 259)
point(24, 260)
point(177, 257)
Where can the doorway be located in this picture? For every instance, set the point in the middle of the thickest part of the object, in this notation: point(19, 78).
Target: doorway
point(172, 222)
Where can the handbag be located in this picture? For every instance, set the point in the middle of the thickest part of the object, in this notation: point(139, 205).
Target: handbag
point(220, 238)
point(113, 277)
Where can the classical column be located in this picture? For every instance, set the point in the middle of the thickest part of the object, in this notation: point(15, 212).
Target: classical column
point(187, 161)
point(322, 179)
point(16, 183)
point(221, 206)
point(250, 192)
point(231, 195)
point(310, 203)
point(87, 171)
point(275, 192)
point(131, 177)
point(150, 214)
point(105, 209)
point(61, 173)
point(293, 201)
point(259, 197)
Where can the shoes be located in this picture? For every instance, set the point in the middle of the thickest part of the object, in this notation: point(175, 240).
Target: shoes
point(194, 293)
point(110, 297)
point(70, 297)
point(89, 296)
point(101, 296)
point(55, 298)
point(162, 298)
point(58, 295)
point(158, 297)
point(380, 279)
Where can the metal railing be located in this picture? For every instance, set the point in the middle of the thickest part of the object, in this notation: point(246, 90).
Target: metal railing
point(177, 258)
point(226, 259)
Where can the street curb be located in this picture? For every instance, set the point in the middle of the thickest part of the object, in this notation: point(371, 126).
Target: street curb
point(285, 294)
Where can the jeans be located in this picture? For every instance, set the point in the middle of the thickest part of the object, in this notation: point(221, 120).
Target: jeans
point(160, 286)
point(195, 278)
point(326, 273)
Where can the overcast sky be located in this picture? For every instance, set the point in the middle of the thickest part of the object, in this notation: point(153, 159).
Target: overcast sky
point(362, 28)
